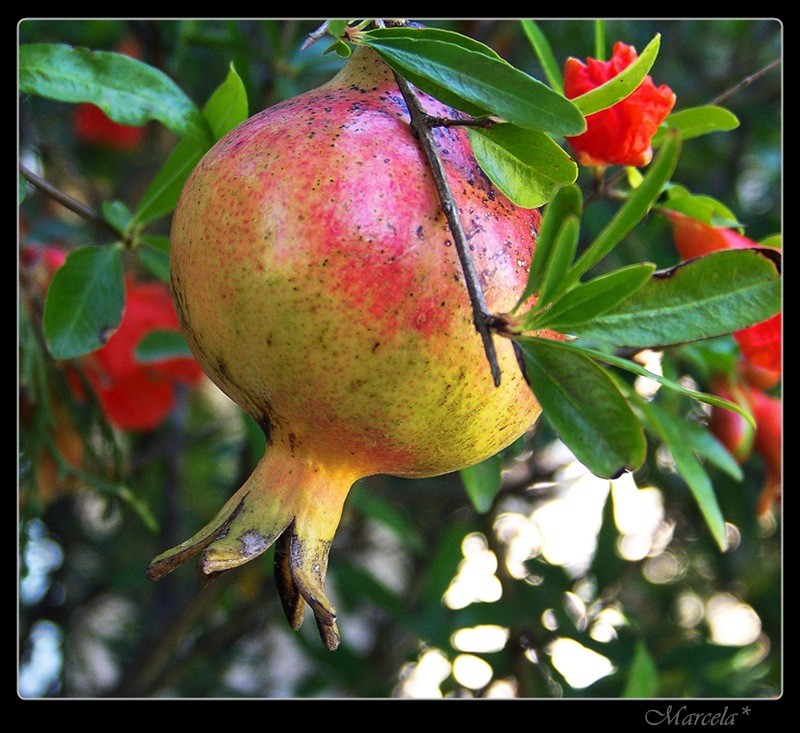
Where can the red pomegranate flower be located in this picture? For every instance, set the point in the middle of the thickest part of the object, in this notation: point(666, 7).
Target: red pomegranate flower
point(621, 134)
point(136, 396)
point(739, 438)
point(133, 395)
point(761, 343)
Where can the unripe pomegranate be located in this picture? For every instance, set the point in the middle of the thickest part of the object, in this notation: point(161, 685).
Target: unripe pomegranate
point(317, 283)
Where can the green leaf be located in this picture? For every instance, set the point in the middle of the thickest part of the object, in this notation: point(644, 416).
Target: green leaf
point(84, 301)
point(155, 260)
point(701, 207)
point(696, 121)
point(528, 166)
point(558, 264)
point(635, 368)
point(568, 201)
point(478, 78)
point(336, 27)
point(129, 91)
point(671, 432)
point(620, 86)
point(544, 53)
point(117, 214)
point(161, 196)
point(701, 298)
point(592, 299)
point(156, 241)
point(22, 188)
point(707, 446)
point(633, 210)
point(642, 675)
point(482, 482)
point(773, 240)
point(439, 91)
point(585, 407)
point(226, 108)
point(340, 48)
point(160, 345)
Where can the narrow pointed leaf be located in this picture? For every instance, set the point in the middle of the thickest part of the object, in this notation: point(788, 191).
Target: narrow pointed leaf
point(84, 301)
point(227, 106)
point(634, 209)
point(638, 369)
point(162, 195)
point(477, 77)
point(568, 201)
point(560, 260)
point(155, 260)
point(670, 431)
point(482, 482)
point(698, 299)
point(528, 166)
point(129, 91)
point(620, 86)
point(707, 446)
point(585, 407)
point(592, 299)
point(117, 214)
point(642, 679)
point(696, 121)
point(543, 51)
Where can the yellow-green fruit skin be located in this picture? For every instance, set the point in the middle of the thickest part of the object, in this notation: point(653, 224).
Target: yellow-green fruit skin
point(317, 283)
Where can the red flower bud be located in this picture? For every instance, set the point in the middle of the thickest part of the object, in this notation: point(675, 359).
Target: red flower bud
point(695, 238)
point(757, 376)
point(731, 428)
point(621, 134)
point(768, 413)
point(739, 438)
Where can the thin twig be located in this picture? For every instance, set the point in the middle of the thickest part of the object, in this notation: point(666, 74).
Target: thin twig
point(314, 36)
point(452, 122)
point(746, 82)
point(422, 127)
point(75, 206)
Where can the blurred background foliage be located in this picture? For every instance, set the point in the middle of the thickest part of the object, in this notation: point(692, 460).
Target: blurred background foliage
point(569, 586)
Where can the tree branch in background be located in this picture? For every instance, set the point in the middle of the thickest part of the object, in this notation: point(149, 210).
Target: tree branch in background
point(75, 206)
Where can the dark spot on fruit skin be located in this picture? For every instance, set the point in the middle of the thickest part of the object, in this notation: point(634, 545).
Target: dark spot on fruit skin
point(292, 442)
point(375, 347)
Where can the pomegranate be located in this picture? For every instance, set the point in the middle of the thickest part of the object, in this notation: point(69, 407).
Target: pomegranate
point(317, 284)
